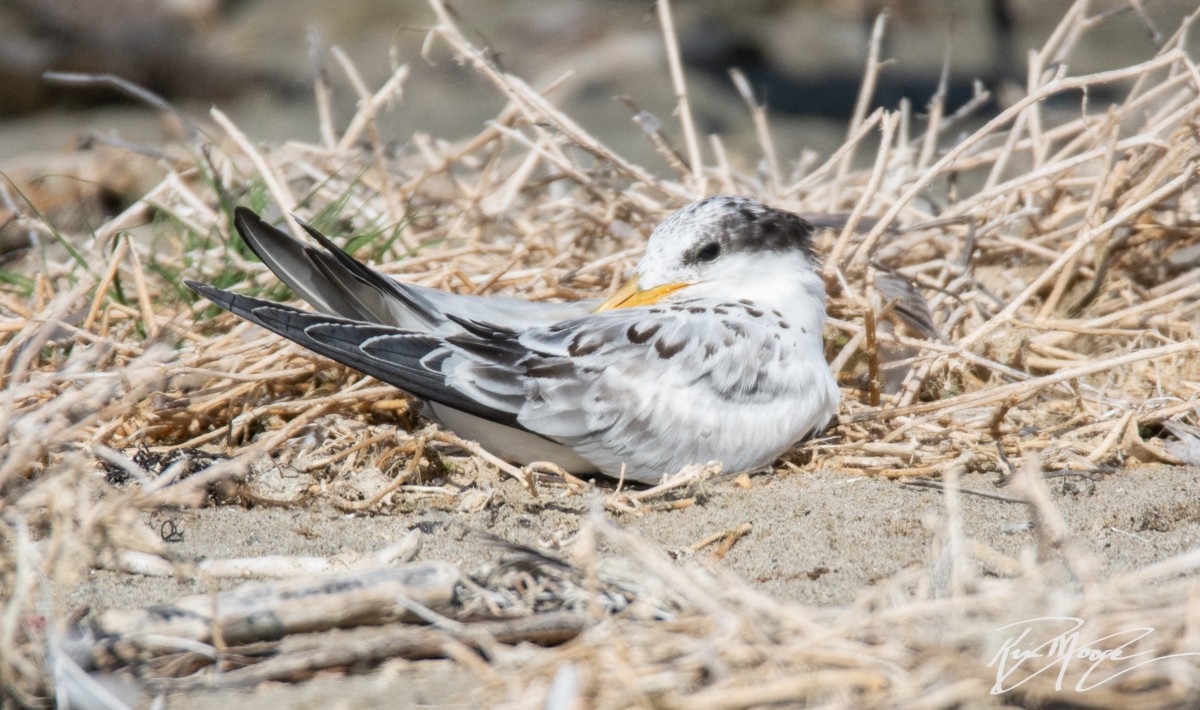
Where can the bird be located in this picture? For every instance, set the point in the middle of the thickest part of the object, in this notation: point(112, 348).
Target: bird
point(712, 351)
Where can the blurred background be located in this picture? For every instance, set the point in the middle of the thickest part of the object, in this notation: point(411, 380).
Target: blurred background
point(803, 58)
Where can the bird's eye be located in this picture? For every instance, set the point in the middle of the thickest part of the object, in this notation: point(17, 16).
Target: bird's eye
point(709, 252)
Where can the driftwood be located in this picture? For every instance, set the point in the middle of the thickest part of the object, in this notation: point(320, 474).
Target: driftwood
point(271, 566)
point(411, 642)
point(267, 611)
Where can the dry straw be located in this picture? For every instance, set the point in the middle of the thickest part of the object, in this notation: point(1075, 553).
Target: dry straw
point(1055, 250)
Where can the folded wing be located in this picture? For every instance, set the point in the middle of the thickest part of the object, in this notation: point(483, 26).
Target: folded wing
point(387, 353)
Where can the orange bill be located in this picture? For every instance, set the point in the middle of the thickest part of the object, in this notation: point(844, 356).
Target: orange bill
point(629, 295)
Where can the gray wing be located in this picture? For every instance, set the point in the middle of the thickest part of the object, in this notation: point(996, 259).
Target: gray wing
point(637, 386)
point(336, 284)
point(537, 381)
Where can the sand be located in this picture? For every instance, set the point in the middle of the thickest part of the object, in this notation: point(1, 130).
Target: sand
point(820, 539)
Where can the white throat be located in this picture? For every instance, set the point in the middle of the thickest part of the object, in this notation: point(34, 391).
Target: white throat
point(784, 282)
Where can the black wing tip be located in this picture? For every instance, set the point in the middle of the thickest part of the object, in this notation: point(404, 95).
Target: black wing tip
point(245, 215)
point(482, 329)
point(250, 225)
point(325, 242)
point(246, 220)
point(199, 288)
point(217, 296)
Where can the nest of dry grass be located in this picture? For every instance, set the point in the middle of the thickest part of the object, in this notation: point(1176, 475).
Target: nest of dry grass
point(1054, 251)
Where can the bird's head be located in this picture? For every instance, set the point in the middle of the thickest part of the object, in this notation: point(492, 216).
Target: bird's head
point(719, 246)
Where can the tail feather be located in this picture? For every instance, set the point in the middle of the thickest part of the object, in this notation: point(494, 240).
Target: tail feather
point(336, 284)
point(333, 281)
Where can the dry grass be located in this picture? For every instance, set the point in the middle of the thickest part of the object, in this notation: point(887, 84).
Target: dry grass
point(1055, 249)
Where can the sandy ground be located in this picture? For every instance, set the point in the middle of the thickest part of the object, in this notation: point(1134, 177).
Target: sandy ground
point(817, 539)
